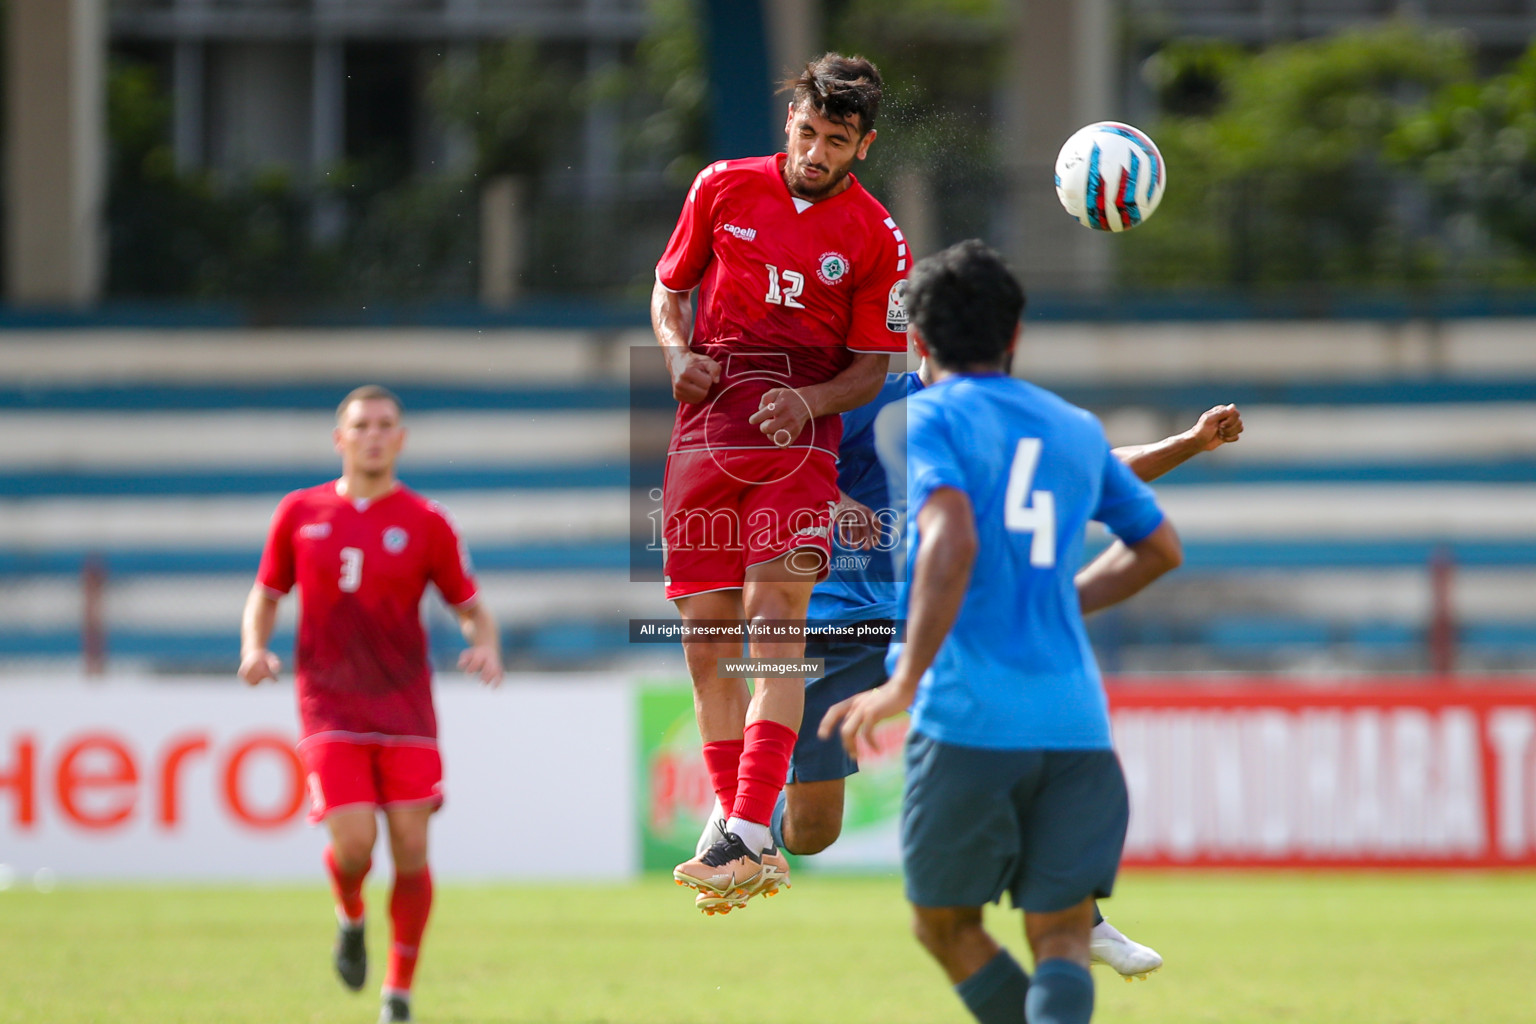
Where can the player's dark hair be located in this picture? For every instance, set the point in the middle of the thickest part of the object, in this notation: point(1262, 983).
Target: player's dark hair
point(363, 394)
point(966, 303)
point(839, 89)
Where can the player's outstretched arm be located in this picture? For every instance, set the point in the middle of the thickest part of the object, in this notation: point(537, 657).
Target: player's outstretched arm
point(1123, 570)
point(940, 576)
point(1222, 424)
point(790, 409)
point(693, 373)
point(257, 663)
point(483, 656)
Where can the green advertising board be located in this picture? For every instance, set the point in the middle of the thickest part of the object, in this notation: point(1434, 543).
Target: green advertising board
point(675, 796)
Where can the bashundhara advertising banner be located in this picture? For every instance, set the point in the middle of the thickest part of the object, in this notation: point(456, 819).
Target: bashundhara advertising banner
point(1241, 773)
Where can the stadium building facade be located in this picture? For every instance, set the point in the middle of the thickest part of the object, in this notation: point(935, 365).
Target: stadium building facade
point(274, 81)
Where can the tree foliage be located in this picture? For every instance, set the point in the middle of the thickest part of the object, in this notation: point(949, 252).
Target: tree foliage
point(1475, 144)
point(941, 62)
point(1288, 180)
point(511, 100)
point(668, 82)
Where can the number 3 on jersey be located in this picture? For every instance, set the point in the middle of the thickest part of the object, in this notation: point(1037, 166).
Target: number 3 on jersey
point(1026, 511)
point(351, 570)
point(788, 295)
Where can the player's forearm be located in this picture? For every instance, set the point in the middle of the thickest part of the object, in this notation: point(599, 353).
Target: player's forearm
point(940, 576)
point(856, 385)
point(1122, 571)
point(257, 621)
point(1150, 461)
point(479, 627)
point(671, 317)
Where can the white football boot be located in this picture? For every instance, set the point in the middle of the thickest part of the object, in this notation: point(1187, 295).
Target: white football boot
point(1129, 958)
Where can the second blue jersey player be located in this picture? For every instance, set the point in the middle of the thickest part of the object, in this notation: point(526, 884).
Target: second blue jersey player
point(855, 607)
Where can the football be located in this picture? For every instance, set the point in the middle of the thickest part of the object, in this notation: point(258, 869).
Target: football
point(1110, 176)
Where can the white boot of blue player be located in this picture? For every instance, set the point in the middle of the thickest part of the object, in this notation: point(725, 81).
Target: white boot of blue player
point(1130, 959)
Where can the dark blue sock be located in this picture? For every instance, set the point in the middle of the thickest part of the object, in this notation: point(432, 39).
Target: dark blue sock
point(1098, 918)
point(995, 994)
point(776, 823)
point(1061, 992)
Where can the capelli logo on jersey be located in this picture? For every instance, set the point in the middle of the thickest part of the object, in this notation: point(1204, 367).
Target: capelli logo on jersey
point(745, 234)
point(395, 540)
point(315, 531)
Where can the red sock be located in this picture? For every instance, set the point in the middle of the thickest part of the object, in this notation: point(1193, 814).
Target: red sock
point(348, 888)
point(764, 766)
point(723, 759)
point(409, 905)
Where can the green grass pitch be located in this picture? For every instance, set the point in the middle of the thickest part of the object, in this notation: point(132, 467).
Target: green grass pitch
point(1240, 948)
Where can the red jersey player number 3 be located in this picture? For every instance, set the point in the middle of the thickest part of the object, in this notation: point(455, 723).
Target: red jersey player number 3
point(361, 550)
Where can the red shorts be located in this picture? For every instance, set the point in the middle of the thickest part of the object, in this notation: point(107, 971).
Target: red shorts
point(728, 509)
point(347, 775)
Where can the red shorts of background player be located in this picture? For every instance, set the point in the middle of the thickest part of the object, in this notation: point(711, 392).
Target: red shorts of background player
point(346, 775)
point(728, 509)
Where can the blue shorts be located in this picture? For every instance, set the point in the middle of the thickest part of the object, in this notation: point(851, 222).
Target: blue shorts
point(850, 669)
point(1046, 826)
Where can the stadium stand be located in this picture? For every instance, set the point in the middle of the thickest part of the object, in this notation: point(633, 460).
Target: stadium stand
point(1386, 482)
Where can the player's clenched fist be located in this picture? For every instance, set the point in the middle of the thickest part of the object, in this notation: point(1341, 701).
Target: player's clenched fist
point(1217, 426)
point(258, 666)
point(693, 375)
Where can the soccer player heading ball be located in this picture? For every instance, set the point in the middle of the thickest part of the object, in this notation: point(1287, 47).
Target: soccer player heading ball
point(800, 275)
point(362, 549)
point(1012, 782)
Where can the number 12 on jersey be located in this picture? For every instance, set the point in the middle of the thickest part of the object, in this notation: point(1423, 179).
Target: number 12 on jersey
point(1027, 511)
point(788, 295)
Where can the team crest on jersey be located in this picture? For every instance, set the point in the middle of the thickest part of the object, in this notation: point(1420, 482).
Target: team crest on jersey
point(833, 268)
point(896, 308)
point(395, 540)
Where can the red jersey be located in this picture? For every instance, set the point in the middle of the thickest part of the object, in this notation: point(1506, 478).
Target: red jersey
point(361, 569)
point(788, 290)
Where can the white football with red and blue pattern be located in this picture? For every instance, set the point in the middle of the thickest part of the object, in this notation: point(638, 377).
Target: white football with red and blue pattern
point(1110, 176)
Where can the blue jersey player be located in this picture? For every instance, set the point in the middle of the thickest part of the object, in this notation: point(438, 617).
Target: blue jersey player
point(1012, 782)
point(859, 600)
